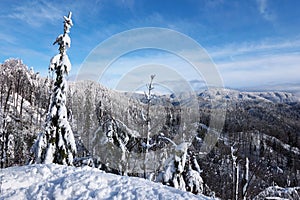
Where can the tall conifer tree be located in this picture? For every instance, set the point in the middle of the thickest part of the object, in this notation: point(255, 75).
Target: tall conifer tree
point(56, 144)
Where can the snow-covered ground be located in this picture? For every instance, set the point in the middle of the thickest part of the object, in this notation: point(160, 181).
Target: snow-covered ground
point(275, 192)
point(62, 182)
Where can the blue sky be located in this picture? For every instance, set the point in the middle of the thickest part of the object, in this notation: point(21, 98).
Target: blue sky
point(253, 43)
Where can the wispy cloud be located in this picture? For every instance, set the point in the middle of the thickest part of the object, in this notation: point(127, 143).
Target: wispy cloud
point(7, 38)
point(126, 3)
point(23, 53)
point(265, 10)
point(261, 71)
point(213, 3)
point(244, 63)
point(264, 47)
point(260, 63)
point(36, 13)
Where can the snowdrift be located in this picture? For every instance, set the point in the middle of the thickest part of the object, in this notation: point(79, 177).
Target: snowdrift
point(53, 181)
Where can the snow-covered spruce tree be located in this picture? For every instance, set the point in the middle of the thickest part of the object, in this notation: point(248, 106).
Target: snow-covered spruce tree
point(182, 170)
point(193, 180)
point(56, 144)
point(172, 173)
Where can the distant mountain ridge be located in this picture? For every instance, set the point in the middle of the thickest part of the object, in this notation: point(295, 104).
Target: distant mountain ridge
point(236, 95)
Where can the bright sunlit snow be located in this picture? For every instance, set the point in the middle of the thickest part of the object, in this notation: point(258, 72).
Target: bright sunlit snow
point(61, 182)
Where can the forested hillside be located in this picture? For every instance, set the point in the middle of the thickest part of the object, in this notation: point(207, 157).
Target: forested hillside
point(110, 130)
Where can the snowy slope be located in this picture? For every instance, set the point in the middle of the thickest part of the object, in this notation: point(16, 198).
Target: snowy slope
point(62, 182)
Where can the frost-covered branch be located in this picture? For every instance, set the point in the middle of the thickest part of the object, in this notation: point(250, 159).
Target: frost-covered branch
point(148, 120)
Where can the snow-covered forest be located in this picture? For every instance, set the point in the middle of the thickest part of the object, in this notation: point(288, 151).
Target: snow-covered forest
point(262, 127)
point(47, 120)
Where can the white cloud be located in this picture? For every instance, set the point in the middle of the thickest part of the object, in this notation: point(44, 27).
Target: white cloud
point(267, 62)
point(36, 13)
point(265, 10)
point(261, 70)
